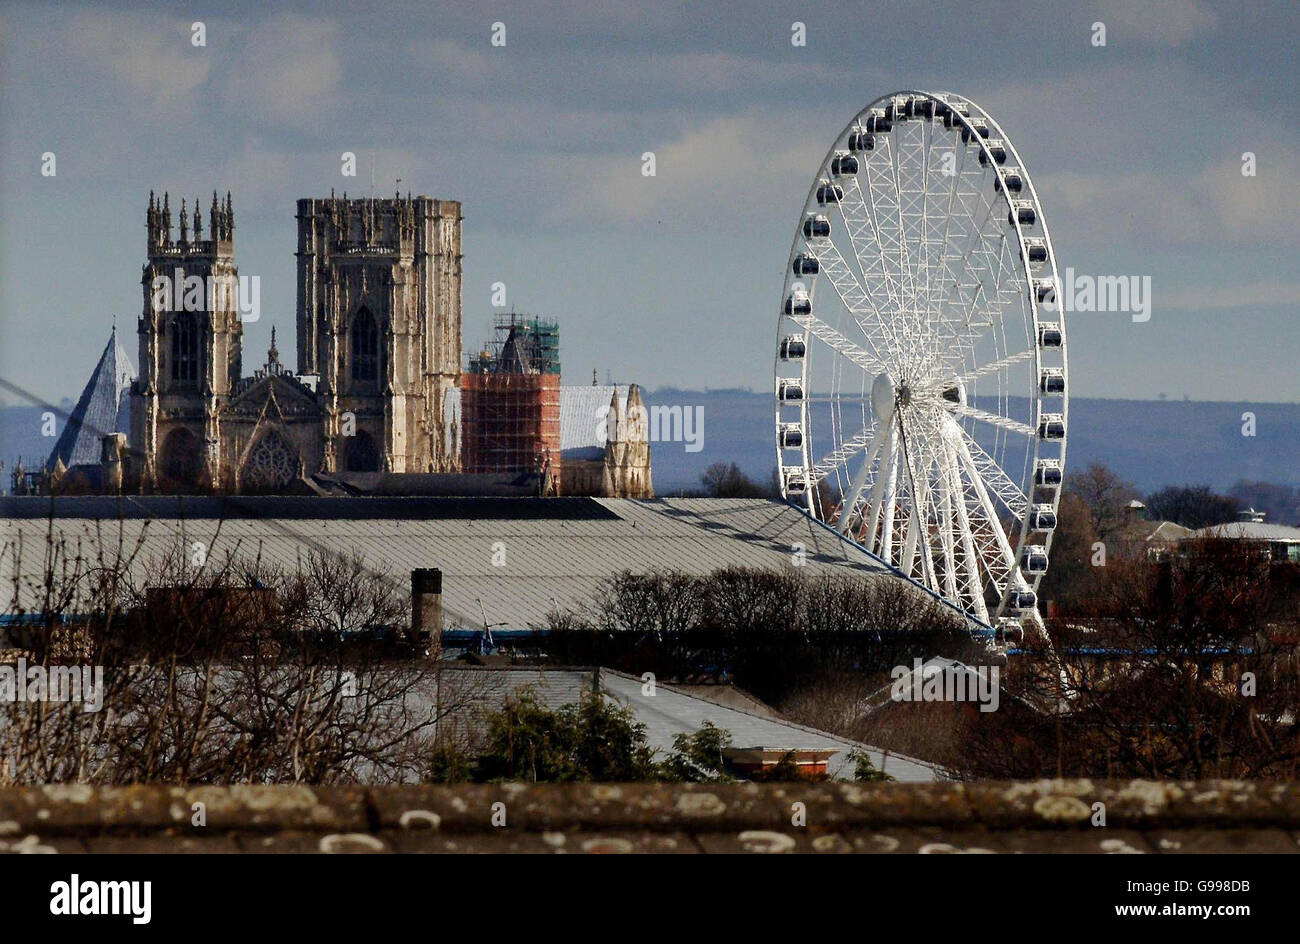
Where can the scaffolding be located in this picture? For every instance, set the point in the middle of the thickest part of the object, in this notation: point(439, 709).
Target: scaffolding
point(510, 399)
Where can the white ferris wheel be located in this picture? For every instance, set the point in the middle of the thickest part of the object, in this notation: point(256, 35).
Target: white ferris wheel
point(921, 400)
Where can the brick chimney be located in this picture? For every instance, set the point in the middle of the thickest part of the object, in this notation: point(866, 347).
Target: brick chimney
point(426, 606)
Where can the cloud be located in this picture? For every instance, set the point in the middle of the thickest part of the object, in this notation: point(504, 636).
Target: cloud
point(288, 70)
point(1215, 205)
point(150, 55)
point(1251, 295)
point(711, 173)
point(1169, 23)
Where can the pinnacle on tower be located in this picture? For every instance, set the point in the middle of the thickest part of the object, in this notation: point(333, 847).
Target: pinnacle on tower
point(198, 222)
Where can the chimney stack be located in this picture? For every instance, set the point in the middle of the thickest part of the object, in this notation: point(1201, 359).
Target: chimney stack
point(426, 606)
point(112, 454)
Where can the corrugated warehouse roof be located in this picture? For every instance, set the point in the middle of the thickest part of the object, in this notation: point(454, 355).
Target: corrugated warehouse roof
point(549, 553)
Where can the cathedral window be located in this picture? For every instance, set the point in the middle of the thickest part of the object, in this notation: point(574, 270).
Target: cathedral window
point(365, 346)
point(185, 349)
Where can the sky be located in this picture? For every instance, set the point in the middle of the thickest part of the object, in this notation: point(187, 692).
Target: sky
point(1135, 147)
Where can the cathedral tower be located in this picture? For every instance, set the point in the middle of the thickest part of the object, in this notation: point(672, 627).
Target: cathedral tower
point(379, 325)
point(190, 335)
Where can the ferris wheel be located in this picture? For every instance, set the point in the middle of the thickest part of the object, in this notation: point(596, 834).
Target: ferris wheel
point(920, 382)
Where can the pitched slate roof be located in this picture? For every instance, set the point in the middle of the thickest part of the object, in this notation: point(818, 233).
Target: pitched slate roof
point(102, 408)
point(665, 714)
point(583, 411)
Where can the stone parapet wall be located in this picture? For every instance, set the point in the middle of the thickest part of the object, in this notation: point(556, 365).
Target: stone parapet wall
point(1042, 816)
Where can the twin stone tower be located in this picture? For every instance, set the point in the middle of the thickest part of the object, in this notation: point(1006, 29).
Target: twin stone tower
point(378, 340)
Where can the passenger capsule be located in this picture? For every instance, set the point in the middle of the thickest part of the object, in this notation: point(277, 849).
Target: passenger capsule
point(795, 482)
point(1034, 559)
point(798, 303)
point(952, 110)
point(791, 391)
point(791, 436)
point(860, 139)
point(793, 347)
point(1052, 381)
point(1009, 632)
point(1049, 334)
point(1045, 290)
point(1015, 182)
point(995, 148)
point(1051, 426)
point(978, 126)
point(1022, 599)
point(844, 164)
point(816, 227)
point(829, 193)
point(1047, 473)
point(1042, 518)
point(1023, 211)
point(805, 265)
point(1035, 251)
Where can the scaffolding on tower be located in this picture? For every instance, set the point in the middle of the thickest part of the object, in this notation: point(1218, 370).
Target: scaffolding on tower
point(510, 399)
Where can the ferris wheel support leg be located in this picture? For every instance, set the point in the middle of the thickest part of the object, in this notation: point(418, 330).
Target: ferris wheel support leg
point(860, 480)
point(878, 490)
point(891, 492)
point(969, 557)
point(946, 538)
point(972, 472)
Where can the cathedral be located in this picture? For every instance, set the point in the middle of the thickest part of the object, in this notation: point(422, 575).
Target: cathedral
point(374, 406)
point(379, 327)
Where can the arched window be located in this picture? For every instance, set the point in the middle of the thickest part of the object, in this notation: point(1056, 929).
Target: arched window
point(362, 454)
point(365, 346)
point(271, 466)
point(185, 348)
point(181, 467)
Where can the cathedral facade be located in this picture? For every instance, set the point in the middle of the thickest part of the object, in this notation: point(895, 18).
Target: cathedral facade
point(378, 340)
point(375, 404)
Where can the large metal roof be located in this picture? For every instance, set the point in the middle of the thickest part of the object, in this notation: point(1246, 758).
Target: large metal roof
point(557, 552)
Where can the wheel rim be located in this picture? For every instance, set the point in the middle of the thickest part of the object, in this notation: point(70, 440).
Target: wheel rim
point(920, 380)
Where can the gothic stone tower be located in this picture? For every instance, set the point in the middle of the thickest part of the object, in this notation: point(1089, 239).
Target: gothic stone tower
point(379, 324)
point(190, 337)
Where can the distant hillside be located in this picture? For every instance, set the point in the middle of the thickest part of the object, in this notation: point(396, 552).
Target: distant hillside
point(1151, 443)
point(20, 435)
